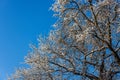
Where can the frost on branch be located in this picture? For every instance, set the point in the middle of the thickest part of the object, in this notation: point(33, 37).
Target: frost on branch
point(84, 44)
point(58, 6)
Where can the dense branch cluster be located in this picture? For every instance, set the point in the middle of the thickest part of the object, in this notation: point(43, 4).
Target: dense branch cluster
point(84, 45)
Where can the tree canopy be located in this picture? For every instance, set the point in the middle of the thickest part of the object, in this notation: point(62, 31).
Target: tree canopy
point(84, 44)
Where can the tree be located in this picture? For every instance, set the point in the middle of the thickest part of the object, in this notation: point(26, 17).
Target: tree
point(84, 45)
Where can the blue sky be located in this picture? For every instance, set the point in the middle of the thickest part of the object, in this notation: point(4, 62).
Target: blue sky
point(21, 22)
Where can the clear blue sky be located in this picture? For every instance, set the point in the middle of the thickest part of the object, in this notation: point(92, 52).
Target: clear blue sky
point(21, 22)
